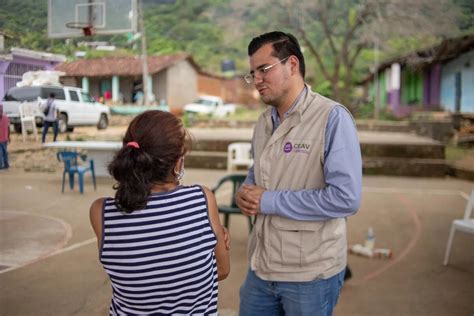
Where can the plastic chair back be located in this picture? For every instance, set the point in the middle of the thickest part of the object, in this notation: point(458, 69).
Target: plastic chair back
point(72, 166)
point(239, 155)
point(235, 181)
point(466, 225)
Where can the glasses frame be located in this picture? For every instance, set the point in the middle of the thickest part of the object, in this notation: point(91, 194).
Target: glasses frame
point(250, 77)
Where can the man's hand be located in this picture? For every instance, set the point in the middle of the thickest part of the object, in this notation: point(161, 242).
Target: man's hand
point(248, 199)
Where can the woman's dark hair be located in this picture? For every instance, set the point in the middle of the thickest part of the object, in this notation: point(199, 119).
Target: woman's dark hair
point(284, 45)
point(162, 140)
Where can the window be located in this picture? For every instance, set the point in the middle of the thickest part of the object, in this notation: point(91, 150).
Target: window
point(73, 95)
point(58, 93)
point(22, 94)
point(87, 98)
point(206, 102)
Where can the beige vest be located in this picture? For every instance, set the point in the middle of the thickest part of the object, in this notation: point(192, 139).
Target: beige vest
point(281, 249)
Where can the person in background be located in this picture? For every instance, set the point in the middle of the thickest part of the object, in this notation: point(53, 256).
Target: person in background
point(50, 111)
point(306, 179)
point(4, 138)
point(160, 242)
point(107, 95)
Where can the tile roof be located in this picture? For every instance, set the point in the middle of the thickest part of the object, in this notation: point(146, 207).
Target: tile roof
point(121, 66)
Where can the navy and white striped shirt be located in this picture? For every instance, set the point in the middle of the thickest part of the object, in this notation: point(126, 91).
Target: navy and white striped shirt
point(161, 260)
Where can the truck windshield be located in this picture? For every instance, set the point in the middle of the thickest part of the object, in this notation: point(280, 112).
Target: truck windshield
point(22, 94)
point(206, 102)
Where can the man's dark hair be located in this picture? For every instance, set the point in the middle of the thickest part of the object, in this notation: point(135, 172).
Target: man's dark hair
point(284, 45)
point(52, 95)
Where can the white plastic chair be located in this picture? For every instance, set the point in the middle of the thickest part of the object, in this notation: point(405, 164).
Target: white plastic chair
point(27, 116)
point(239, 155)
point(466, 224)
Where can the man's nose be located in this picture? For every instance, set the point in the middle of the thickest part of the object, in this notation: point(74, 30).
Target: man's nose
point(257, 78)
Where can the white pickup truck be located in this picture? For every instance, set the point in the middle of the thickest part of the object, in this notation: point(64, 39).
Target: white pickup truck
point(209, 105)
point(76, 107)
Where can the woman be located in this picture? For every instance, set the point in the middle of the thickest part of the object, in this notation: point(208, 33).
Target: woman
point(161, 243)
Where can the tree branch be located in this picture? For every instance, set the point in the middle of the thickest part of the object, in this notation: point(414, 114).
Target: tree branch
point(315, 53)
point(322, 14)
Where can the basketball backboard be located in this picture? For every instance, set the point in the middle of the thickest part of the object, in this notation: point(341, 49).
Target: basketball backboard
point(70, 18)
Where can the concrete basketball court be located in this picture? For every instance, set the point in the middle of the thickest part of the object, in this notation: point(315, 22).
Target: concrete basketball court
point(49, 262)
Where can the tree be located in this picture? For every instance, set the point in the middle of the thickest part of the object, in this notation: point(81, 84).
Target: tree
point(335, 32)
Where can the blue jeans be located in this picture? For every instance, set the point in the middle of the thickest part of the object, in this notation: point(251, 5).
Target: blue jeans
point(46, 125)
point(261, 298)
point(4, 156)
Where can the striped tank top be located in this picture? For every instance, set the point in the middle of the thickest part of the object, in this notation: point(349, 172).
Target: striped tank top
point(161, 260)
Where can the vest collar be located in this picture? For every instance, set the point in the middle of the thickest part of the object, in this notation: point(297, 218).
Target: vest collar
point(292, 119)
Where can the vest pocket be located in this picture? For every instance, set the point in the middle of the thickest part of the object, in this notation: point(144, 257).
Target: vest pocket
point(294, 243)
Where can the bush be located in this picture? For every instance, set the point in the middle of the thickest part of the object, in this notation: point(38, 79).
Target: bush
point(366, 111)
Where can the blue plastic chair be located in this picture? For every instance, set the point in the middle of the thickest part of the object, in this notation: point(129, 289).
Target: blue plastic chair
point(71, 167)
point(235, 180)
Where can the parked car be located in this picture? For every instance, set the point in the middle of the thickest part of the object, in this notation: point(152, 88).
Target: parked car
point(209, 105)
point(76, 107)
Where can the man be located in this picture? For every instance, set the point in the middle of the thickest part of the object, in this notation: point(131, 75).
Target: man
point(50, 111)
point(4, 138)
point(306, 179)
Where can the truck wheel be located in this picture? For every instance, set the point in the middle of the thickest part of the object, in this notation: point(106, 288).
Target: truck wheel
point(103, 122)
point(62, 122)
point(17, 128)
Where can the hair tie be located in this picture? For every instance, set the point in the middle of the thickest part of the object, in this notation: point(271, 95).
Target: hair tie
point(133, 144)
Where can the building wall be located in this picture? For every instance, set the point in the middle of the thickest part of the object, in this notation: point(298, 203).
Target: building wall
point(94, 87)
point(11, 71)
point(126, 89)
point(412, 87)
point(211, 86)
point(181, 84)
point(159, 87)
point(231, 90)
point(464, 65)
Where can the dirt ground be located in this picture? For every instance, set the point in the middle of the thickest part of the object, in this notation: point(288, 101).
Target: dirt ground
point(49, 260)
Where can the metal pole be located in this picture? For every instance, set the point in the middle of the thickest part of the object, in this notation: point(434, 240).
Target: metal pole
point(144, 53)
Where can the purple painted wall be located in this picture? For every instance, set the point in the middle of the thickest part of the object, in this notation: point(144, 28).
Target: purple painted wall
point(426, 88)
point(431, 87)
point(43, 62)
point(435, 80)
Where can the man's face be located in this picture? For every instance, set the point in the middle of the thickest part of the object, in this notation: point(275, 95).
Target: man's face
point(272, 85)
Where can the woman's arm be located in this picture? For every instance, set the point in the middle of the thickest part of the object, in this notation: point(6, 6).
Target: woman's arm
point(95, 216)
point(223, 240)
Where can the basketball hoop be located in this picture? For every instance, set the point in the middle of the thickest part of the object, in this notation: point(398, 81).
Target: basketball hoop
point(87, 29)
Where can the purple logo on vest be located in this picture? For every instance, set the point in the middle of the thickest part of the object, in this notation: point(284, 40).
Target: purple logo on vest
point(288, 147)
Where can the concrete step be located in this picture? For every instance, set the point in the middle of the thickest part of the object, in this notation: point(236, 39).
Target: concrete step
point(415, 167)
point(369, 149)
point(423, 151)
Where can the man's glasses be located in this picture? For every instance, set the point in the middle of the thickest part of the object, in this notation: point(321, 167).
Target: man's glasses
point(250, 77)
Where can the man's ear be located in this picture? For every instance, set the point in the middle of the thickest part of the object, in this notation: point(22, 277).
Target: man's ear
point(295, 64)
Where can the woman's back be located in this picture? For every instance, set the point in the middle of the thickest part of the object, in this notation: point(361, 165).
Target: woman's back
point(161, 260)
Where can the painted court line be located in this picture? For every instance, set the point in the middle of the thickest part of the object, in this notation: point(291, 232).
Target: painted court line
point(416, 220)
point(53, 253)
point(403, 253)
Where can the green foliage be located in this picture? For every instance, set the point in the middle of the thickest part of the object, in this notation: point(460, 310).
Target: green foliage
point(324, 88)
point(99, 54)
point(458, 152)
point(466, 23)
point(207, 30)
point(366, 111)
